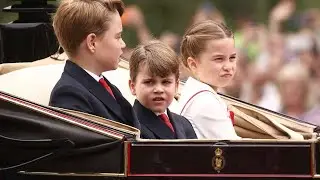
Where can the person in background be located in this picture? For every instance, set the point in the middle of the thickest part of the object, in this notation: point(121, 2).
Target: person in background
point(293, 81)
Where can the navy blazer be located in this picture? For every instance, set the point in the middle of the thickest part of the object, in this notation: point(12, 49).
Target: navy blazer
point(152, 127)
point(77, 90)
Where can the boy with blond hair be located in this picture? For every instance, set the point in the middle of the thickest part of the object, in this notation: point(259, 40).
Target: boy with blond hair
point(154, 74)
point(90, 33)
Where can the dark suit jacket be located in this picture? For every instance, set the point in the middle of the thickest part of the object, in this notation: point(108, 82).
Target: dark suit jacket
point(152, 127)
point(79, 91)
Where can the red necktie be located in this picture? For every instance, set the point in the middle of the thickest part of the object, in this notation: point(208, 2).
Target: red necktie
point(166, 120)
point(105, 85)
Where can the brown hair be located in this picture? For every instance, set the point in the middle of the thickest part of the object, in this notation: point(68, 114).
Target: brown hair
point(75, 19)
point(160, 59)
point(196, 37)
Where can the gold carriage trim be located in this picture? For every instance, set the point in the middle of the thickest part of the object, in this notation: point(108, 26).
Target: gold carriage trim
point(218, 161)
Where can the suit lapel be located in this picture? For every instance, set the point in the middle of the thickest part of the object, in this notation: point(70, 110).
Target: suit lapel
point(95, 88)
point(177, 127)
point(152, 122)
point(126, 108)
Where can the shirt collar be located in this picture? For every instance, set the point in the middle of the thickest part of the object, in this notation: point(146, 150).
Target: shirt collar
point(96, 77)
point(198, 84)
point(165, 112)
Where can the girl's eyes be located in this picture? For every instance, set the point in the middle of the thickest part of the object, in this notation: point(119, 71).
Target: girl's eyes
point(233, 58)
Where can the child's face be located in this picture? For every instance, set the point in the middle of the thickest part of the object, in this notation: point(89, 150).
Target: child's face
point(216, 65)
point(110, 44)
point(154, 92)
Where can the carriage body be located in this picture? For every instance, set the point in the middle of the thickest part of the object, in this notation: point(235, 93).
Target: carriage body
point(49, 143)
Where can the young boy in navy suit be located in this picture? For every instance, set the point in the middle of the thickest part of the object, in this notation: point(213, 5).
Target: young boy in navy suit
point(90, 34)
point(154, 77)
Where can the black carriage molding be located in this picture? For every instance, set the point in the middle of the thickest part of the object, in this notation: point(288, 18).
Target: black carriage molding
point(36, 138)
point(32, 11)
point(31, 36)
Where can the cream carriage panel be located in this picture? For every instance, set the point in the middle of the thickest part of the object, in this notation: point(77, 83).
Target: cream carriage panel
point(35, 81)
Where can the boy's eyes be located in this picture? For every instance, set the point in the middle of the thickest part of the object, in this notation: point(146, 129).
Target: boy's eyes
point(151, 82)
point(118, 36)
point(218, 59)
point(167, 82)
point(147, 82)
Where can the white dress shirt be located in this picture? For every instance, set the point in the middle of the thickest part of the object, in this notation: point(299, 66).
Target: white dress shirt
point(206, 111)
point(96, 77)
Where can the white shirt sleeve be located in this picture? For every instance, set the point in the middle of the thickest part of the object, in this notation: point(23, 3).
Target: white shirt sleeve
point(210, 117)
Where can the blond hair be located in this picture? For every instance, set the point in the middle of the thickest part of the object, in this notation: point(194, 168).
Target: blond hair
point(159, 58)
point(75, 19)
point(297, 72)
point(293, 71)
point(196, 37)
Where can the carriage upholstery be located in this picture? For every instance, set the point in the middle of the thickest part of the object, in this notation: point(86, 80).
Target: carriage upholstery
point(35, 81)
point(55, 59)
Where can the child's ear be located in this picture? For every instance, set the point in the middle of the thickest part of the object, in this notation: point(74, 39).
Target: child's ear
point(91, 42)
point(192, 64)
point(132, 87)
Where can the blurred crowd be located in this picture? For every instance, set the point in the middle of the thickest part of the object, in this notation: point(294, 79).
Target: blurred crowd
point(277, 70)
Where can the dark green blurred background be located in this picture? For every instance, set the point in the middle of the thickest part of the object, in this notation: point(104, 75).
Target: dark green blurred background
point(175, 15)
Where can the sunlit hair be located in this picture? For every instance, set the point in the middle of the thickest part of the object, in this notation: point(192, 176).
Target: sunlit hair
point(75, 19)
point(298, 73)
point(158, 57)
point(293, 71)
point(196, 37)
